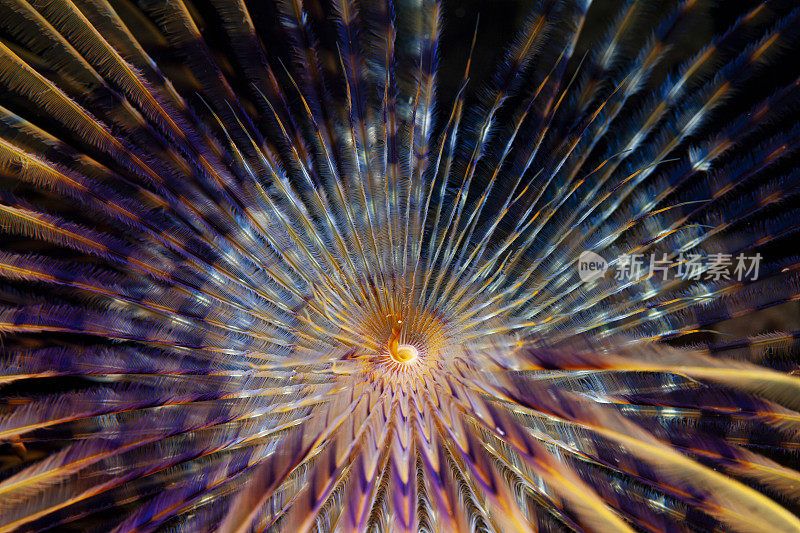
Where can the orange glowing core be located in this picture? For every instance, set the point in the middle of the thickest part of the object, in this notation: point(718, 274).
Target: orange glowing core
point(404, 353)
point(401, 353)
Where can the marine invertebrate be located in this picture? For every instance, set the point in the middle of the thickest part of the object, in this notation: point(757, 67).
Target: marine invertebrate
point(264, 283)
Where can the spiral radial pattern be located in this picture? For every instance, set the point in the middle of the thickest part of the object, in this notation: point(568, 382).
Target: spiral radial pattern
point(253, 278)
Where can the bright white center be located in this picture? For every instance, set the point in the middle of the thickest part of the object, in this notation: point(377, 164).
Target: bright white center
point(405, 353)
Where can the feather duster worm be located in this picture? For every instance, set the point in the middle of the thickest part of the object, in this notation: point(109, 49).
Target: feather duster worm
point(254, 277)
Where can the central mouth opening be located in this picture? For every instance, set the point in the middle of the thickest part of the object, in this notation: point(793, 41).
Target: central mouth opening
point(404, 353)
point(401, 353)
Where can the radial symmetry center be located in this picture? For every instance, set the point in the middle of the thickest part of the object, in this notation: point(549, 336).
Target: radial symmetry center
point(401, 353)
point(404, 353)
